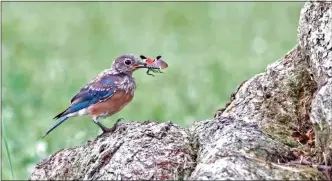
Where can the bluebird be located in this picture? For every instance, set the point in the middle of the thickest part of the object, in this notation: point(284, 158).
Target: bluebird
point(108, 93)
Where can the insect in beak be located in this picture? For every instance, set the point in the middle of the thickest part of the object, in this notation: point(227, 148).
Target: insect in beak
point(154, 64)
point(140, 64)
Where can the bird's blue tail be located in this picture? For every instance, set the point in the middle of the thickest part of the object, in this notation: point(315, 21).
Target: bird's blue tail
point(57, 123)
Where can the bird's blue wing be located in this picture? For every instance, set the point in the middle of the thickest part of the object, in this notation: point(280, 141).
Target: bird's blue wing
point(96, 91)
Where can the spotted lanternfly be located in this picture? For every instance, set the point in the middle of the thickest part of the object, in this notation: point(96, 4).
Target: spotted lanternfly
point(154, 63)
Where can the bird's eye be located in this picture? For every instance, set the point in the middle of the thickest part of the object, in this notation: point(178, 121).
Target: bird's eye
point(127, 62)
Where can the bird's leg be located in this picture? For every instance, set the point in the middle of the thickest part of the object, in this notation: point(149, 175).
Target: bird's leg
point(104, 128)
point(115, 125)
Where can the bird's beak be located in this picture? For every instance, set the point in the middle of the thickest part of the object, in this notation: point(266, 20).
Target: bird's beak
point(139, 64)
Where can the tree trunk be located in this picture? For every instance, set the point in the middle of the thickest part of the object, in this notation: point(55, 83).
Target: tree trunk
point(253, 137)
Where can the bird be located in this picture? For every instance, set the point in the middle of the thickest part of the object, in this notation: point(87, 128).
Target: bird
point(105, 95)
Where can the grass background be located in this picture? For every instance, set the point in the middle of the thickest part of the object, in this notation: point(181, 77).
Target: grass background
point(51, 49)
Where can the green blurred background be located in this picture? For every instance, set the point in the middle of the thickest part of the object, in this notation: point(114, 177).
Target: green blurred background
point(51, 49)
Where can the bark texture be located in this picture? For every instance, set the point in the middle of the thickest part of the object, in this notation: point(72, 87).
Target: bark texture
point(315, 39)
point(251, 138)
point(134, 151)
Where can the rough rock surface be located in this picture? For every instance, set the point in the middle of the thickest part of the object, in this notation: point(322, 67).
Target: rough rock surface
point(315, 39)
point(134, 151)
point(251, 138)
point(235, 149)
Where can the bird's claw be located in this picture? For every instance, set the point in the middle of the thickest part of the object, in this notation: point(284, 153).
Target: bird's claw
point(113, 128)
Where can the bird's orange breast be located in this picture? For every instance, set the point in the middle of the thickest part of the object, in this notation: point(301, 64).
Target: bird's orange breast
point(112, 105)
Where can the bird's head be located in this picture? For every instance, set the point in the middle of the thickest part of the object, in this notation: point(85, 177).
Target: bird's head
point(127, 63)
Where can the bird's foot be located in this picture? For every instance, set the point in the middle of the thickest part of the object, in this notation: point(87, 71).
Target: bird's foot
point(113, 128)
